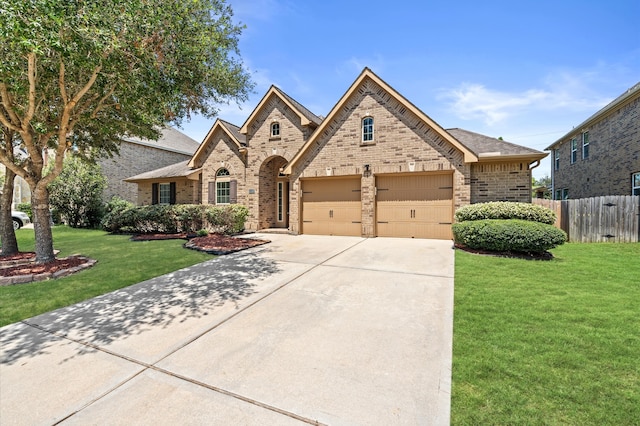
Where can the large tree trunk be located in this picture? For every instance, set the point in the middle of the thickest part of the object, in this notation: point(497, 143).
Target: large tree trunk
point(7, 234)
point(42, 224)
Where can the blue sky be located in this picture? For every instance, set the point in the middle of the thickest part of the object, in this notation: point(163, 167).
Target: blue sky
point(528, 71)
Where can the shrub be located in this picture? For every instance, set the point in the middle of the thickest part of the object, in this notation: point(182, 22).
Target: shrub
point(506, 210)
point(508, 235)
point(124, 217)
point(25, 208)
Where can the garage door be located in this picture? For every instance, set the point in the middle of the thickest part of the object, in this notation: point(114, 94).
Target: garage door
point(331, 206)
point(419, 206)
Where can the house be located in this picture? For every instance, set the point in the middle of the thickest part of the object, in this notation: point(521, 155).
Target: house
point(375, 166)
point(600, 156)
point(139, 156)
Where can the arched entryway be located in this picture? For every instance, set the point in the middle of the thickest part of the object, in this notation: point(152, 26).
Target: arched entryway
point(273, 194)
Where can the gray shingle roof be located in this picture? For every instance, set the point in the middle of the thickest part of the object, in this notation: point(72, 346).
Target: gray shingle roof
point(235, 131)
point(170, 140)
point(308, 114)
point(486, 146)
point(180, 169)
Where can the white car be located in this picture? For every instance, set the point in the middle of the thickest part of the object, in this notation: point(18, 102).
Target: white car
point(19, 219)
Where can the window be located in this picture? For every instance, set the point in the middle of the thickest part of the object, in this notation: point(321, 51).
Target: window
point(556, 161)
point(275, 130)
point(574, 150)
point(562, 194)
point(280, 201)
point(635, 184)
point(223, 187)
point(367, 129)
point(585, 145)
point(163, 193)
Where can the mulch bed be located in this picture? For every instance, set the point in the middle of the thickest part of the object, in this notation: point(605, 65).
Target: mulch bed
point(213, 243)
point(21, 268)
point(222, 244)
point(513, 254)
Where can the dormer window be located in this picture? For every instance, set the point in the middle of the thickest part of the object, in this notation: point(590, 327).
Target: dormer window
point(367, 129)
point(275, 130)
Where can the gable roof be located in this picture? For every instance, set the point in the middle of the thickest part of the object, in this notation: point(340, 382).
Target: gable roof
point(306, 116)
point(627, 97)
point(180, 169)
point(469, 156)
point(488, 148)
point(170, 140)
point(231, 130)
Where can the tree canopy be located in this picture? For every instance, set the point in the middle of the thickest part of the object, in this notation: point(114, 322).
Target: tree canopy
point(81, 74)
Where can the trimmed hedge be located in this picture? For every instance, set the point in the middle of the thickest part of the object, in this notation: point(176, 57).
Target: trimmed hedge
point(124, 217)
point(508, 235)
point(506, 210)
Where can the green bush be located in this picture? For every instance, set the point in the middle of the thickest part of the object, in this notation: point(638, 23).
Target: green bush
point(508, 235)
point(124, 217)
point(506, 210)
point(25, 208)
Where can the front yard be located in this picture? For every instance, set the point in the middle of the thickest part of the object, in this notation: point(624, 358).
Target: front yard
point(548, 342)
point(121, 263)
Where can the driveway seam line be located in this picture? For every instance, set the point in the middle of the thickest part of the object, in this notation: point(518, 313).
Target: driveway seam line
point(193, 381)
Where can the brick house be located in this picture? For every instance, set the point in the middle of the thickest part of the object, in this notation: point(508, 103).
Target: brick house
point(375, 166)
point(139, 156)
point(600, 156)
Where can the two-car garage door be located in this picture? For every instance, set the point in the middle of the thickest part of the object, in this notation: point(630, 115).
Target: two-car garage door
point(407, 205)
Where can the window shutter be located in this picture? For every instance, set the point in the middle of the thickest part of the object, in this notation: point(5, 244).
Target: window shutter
point(172, 193)
point(233, 191)
point(155, 191)
point(212, 193)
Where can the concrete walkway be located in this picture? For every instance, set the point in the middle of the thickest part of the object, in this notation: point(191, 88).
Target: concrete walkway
point(304, 330)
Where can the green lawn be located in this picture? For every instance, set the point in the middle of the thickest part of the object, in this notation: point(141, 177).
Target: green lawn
point(548, 342)
point(121, 262)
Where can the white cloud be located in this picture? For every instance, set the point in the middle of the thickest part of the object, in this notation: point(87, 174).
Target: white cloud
point(474, 101)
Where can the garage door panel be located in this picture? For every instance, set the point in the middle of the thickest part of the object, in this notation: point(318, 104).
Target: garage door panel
point(332, 207)
point(418, 206)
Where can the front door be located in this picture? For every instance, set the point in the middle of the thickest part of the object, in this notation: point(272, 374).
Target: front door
point(282, 204)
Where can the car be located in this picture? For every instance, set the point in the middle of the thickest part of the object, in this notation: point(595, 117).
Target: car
point(19, 219)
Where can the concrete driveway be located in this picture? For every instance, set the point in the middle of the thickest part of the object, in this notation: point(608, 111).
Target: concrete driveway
point(304, 330)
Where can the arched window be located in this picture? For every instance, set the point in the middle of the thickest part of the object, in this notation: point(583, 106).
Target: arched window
point(223, 187)
point(367, 129)
point(275, 130)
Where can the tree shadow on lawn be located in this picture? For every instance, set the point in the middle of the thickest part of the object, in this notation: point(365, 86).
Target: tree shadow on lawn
point(160, 302)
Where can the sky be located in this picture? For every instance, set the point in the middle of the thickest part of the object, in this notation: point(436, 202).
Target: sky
point(526, 71)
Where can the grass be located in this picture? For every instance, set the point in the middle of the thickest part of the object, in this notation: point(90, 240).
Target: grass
point(548, 342)
point(121, 263)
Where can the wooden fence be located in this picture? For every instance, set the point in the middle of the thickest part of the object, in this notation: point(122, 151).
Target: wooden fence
point(614, 218)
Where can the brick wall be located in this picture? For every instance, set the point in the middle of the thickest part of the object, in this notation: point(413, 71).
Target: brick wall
point(186, 191)
point(133, 160)
point(500, 182)
point(614, 154)
point(402, 143)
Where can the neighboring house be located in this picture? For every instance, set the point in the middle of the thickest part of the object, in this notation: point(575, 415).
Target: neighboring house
point(601, 156)
point(375, 166)
point(139, 156)
point(21, 190)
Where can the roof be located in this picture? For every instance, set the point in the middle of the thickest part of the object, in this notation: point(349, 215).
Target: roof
point(368, 74)
point(170, 140)
point(306, 116)
point(486, 147)
point(231, 130)
point(180, 169)
point(628, 96)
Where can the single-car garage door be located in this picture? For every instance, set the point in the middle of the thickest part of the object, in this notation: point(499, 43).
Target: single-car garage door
point(331, 206)
point(419, 206)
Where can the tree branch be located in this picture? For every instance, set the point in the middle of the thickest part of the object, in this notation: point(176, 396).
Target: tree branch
point(14, 124)
point(31, 74)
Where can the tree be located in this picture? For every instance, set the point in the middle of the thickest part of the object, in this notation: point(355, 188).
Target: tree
point(82, 74)
point(7, 233)
point(77, 192)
